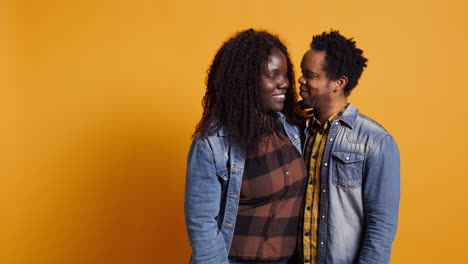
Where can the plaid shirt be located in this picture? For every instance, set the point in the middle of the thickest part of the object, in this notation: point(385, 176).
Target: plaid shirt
point(313, 157)
point(270, 204)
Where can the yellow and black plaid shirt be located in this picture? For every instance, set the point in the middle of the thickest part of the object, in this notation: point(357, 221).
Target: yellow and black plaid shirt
point(313, 158)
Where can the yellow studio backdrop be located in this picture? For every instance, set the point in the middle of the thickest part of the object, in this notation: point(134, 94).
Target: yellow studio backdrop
point(98, 101)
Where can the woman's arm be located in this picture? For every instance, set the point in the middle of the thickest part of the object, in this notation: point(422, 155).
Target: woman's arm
point(202, 206)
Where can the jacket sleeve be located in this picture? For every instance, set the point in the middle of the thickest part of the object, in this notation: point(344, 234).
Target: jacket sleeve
point(202, 206)
point(381, 196)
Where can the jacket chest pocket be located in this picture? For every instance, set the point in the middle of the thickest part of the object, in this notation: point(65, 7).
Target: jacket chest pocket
point(347, 169)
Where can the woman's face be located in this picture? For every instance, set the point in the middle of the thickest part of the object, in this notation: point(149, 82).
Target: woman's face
point(274, 81)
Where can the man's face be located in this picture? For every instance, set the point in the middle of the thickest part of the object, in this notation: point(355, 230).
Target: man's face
point(316, 89)
point(274, 81)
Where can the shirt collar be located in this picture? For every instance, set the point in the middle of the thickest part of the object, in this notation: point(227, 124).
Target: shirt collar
point(331, 119)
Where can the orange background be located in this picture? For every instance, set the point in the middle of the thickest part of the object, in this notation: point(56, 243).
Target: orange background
point(98, 100)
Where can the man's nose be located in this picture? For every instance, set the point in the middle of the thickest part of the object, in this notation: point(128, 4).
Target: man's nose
point(301, 80)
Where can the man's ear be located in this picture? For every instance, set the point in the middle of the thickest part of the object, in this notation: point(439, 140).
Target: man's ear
point(340, 84)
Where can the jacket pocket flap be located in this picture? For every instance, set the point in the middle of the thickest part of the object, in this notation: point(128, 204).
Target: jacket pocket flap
point(224, 173)
point(349, 157)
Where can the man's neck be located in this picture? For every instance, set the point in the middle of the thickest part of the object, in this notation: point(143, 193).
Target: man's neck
point(325, 112)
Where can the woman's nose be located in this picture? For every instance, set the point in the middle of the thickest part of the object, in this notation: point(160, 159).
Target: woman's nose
point(283, 83)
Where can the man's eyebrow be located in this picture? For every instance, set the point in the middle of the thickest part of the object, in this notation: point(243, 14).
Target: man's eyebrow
point(309, 71)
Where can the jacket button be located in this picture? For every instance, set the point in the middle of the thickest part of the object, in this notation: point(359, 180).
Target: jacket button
point(296, 136)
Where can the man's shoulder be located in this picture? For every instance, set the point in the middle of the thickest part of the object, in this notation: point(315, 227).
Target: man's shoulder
point(370, 124)
point(368, 130)
point(361, 123)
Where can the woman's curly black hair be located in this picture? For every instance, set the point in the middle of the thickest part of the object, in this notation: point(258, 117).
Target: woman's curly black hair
point(342, 57)
point(233, 100)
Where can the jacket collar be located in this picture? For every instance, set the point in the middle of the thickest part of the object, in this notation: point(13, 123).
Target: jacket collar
point(222, 132)
point(280, 115)
point(350, 115)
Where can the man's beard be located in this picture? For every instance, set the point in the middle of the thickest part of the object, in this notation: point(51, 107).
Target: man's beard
point(306, 105)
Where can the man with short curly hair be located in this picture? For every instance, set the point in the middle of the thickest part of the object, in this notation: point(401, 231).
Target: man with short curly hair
point(353, 190)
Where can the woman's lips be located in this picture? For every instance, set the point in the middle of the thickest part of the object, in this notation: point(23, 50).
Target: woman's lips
point(279, 97)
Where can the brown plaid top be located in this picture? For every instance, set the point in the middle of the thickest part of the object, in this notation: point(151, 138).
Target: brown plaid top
point(272, 191)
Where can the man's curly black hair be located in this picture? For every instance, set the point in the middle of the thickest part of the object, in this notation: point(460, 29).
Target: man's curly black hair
point(342, 57)
point(233, 97)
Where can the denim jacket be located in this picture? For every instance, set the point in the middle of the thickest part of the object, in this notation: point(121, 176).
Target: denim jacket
point(212, 188)
point(360, 192)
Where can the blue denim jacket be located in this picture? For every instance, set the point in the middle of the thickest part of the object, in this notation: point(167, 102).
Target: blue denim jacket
point(360, 192)
point(212, 187)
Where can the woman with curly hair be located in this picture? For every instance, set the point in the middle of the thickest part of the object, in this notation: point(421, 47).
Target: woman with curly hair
point(245, 177)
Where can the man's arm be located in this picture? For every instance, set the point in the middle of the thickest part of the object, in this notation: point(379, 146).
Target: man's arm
point(202, 205)
point(381, 196)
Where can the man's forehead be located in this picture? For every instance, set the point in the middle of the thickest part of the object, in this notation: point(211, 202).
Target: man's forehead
point(312, 57)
